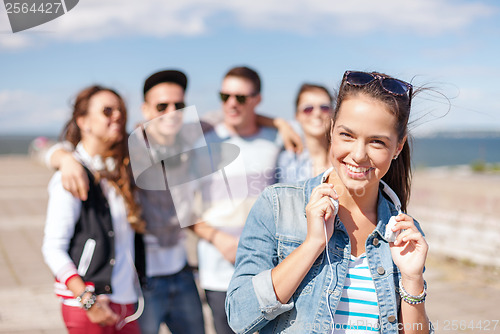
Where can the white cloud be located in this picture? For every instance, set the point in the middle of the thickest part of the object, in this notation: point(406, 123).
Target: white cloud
point(361, 16)
point(22, 111)
point(93, 19)
point(96, 19)
point(13, 42)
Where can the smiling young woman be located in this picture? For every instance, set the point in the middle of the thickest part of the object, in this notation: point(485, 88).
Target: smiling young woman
point(329, 271)
point(364, 142)
point(89, 244)
point(313, 111)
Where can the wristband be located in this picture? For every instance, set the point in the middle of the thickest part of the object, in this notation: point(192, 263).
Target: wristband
point(90, 301)
point(86, 305)
point(411, 299)
point(87, 289)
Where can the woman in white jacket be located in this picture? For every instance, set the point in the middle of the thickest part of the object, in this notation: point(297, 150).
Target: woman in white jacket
point(89, 245)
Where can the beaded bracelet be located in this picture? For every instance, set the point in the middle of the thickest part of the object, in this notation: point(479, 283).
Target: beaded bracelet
point(87, 289)
point(411, 299)
point(86, 305)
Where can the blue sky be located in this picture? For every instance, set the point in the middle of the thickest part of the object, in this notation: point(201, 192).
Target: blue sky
point(452, 46)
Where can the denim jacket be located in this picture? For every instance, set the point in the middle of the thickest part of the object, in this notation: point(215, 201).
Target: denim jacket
point(276, 226)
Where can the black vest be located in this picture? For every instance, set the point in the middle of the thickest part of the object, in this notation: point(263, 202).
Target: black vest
point(95, 223)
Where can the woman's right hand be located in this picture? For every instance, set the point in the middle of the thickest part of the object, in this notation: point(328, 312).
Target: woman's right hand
point(288, 274)
point(100, 313)
point(320, 212)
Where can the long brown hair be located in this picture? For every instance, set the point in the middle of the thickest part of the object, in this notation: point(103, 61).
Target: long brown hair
point(120, 178)
point(399, 175)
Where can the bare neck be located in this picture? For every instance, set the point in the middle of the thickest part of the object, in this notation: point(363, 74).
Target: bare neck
point(359, 215)
point(317, 146)
point(318, 152)
point(244, 130)
point(94, 146)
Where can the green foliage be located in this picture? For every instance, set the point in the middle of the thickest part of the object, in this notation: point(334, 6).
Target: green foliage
point(478, 166)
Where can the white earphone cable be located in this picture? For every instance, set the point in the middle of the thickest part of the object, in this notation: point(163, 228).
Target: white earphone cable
point(331, 278)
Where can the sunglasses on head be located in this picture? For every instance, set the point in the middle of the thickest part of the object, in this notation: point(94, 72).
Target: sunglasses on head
point(108, 111)
point(161, 107)
point(242, 99)
point(326, 108)
point(390, 85)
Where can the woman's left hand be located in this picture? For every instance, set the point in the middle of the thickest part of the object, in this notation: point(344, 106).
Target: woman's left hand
point(409, 251)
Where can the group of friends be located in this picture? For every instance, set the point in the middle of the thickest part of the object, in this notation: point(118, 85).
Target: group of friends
point(303, 249)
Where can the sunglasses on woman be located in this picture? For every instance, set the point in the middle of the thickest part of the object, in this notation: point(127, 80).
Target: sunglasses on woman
point(108, 111)
point(242, 99)
point(390, 85)
point(308, 109)
point(161, 107)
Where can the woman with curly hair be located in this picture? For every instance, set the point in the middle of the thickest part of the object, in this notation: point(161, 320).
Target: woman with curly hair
point(89, 245)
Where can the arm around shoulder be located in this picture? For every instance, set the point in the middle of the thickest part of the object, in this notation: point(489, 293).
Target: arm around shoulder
point(74, 177)
point(55, 153)
point(291, 139)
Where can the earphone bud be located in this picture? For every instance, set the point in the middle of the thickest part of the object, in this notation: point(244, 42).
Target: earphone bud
point(335, 203)
point(389, 234)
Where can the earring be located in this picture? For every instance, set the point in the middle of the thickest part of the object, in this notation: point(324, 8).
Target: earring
point(395, 157)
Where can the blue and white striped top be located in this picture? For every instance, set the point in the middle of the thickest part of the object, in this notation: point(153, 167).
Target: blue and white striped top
point(357, 311)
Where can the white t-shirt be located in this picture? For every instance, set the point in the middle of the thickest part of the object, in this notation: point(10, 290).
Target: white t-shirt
point(229, 194)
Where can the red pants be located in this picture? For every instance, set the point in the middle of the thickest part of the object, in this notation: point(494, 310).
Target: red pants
point(77, 322)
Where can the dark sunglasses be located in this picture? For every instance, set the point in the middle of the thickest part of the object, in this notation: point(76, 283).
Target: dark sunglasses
point(326, 108)
point(242, 99)
point(391, 85)
point(161, 107)
point(108, 111)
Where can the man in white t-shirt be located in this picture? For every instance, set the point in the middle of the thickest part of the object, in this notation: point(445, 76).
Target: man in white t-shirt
point(228, 195)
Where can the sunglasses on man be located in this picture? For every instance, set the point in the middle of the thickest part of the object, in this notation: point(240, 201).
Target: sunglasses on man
point(242, 99)
point(161, 107)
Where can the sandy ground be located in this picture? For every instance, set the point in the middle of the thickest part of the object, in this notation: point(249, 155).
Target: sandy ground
point(462, 295)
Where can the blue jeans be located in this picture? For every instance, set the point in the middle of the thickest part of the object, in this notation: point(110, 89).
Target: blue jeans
point(174, 300)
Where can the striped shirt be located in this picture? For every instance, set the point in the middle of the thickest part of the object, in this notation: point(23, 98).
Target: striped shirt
point(357, 311)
